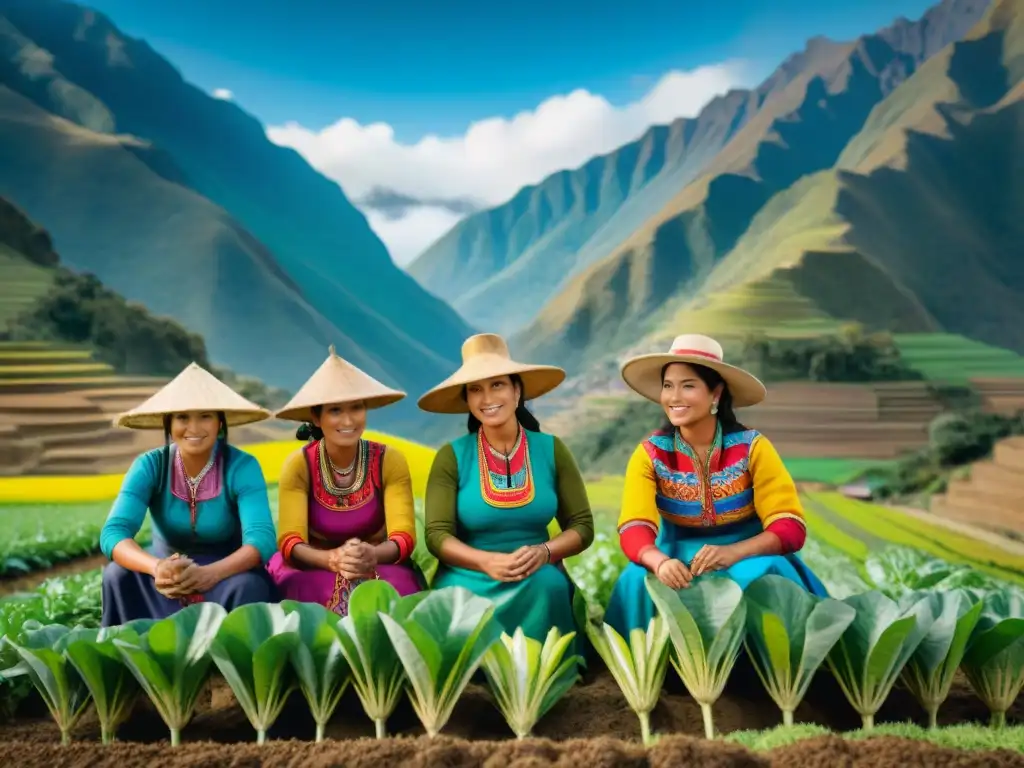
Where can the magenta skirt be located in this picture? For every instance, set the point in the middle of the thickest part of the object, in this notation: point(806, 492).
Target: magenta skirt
point(332, 590)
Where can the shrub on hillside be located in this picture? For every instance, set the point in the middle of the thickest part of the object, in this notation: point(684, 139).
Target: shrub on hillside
point(954, 440)
point(79, 309)
point(850, 356)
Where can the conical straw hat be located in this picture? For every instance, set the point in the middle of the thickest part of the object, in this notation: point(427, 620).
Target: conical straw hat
point(194, 389)
point(486, 356)
point(643, 373)
point(337, 381)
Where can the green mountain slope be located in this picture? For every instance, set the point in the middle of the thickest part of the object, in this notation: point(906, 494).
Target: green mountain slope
point(797, 120)
point(179, 201)
point(801, 131)
point(917, 228)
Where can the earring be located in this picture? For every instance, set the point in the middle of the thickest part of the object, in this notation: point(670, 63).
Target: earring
point(714, 408)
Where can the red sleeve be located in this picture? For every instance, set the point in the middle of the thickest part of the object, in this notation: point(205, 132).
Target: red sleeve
point(791, 533)
point(405, 546)
point(636, 540)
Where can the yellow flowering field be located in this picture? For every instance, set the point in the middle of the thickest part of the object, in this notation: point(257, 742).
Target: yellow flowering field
point(86, 488)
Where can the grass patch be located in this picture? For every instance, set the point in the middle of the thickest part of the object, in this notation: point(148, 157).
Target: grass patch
point(832, 471)
point(897, 528)
point(961, 736)
point(956, 359)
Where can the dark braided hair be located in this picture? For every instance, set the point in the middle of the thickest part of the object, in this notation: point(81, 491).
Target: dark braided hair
point(309, 431)
point(524, 416)
point(712, 378)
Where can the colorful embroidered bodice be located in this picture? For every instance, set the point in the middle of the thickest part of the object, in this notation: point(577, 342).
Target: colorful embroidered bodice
point(505, 481)
point(692, 493)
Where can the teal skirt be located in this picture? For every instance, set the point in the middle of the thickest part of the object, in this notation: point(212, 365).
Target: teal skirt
point(630, 606)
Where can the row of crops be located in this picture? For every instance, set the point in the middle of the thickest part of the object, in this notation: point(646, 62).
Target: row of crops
point(429, 645)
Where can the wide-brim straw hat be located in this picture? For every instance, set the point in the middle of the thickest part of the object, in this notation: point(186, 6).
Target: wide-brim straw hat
point(194, 389)
point(486, 356)
point(337, 381)
point(643, 373)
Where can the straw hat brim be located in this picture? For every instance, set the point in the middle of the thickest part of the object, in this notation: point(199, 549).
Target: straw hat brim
point(337, 381)
point(304, 411)
point(446, 397)
point(643, 375)
point(194, 389)
point(156, 420)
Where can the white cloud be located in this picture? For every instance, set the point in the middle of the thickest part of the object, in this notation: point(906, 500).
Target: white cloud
point(406, 237)
point(496, 156)
point(223, 93)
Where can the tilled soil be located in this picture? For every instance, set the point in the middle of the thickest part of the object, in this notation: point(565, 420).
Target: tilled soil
point(591, 726)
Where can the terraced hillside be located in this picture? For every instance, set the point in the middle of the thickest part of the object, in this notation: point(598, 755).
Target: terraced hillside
point(992, 496)
point(22, 284)
point(56, 410)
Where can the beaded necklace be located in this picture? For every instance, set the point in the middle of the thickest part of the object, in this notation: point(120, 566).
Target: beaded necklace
point(194, 483)
point(328, 471)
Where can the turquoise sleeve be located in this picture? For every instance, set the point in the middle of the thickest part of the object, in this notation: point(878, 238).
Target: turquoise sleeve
point(129, 509)
point(257, 521)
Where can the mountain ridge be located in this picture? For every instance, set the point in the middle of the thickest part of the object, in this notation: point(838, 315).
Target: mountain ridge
point(242, 212)
point(561, 249)
point(802, 130)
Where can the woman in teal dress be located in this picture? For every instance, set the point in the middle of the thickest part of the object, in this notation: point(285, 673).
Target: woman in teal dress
point(213, 531)
point(704, 495)
point(492, 493)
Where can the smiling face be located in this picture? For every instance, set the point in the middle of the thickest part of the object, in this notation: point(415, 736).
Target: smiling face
point(687, 400)
point(195, 432)
point(343, 424)
point(493, 401)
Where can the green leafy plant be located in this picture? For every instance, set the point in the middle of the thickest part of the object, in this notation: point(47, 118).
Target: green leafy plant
point(876, 645)
point(441, 642)
point(113, 688)
point(319, 664)
point(929, 672)
point(528, 677)
point(377, 674)
point(638, 666)
point(994, 661)
point(706, 624)
point(251, 649)
point(789, 634)
point(172, 661)
point(41, 657)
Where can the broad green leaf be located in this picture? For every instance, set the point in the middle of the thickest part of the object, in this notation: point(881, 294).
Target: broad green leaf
point(876, 646)
point(706, 622)
point(789, 634)
point(377, 674)
point(42, 657)
point(994, 660)
point(929, 672)
point(318, 661)
point(251, 649)
point(172, 661)
point(638, 666)
point(113, 688)
point(527, 677)
point(441, 643)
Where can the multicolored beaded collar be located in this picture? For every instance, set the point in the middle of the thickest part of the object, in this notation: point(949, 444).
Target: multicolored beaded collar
point(505, 481)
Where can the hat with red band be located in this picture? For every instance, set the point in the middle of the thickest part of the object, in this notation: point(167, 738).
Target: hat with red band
point(643, 373)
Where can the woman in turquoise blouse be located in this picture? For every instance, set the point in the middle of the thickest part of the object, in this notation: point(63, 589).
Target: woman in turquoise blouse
point(213, 531)
point(492, 494)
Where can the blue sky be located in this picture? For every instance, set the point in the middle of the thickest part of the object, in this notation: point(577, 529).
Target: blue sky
point(435, 67)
